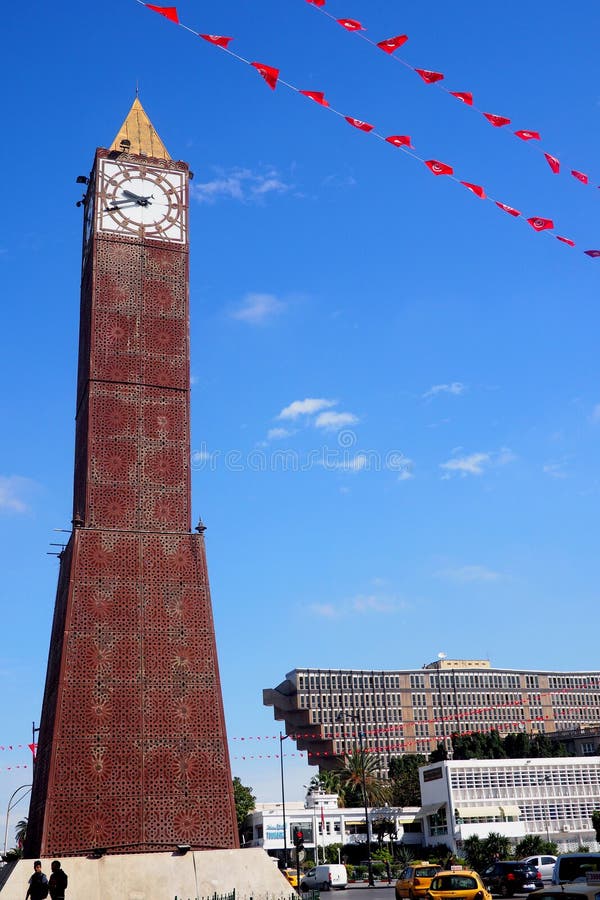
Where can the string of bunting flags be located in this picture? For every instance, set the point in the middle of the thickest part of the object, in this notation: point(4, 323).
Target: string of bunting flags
point(430, 77)
point(403, 142)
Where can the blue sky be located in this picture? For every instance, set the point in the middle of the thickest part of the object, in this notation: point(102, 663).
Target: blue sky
point(430, 364)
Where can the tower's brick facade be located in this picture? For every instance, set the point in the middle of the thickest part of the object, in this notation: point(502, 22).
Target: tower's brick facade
point(132, 751)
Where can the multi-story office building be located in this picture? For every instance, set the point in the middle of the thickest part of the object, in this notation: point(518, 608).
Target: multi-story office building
point(553, 797)
point(410, 711)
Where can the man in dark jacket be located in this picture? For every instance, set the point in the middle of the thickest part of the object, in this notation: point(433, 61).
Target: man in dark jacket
point(38, 883)
point(58, 881)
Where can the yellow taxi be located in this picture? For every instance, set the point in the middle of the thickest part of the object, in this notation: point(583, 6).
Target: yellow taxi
point(292, 876)
point(457, 884)
point(415, 879)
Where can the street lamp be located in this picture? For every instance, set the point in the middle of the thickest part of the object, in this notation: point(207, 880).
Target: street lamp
point(12, 805)
point(360, 736)
point(282, 738)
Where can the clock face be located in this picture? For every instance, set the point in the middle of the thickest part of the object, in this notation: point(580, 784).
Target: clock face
point(143, 201)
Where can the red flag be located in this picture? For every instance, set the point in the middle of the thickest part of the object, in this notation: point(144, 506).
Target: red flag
point(392, 43)
point(553, 162)
point(565, 240)
point(169, 12)
point(528, 135)
point(317, 96)
point(475, 188)
point(465, 96)
point(357, 123)
point(593, 253)
point(268, 73)
point(217, 39)
point(429, 77)
point(316, 2)
point(580, 176)
point(33, 748)
point(539, 224)
point(508, 209)
point(497, 121)
point(350, 24)
point(399, 140)
point(439, 168)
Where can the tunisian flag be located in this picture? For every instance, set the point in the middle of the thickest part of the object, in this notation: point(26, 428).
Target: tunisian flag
point(539, 224)
point(317, 96)
point(169, 12)
point(439, 168)
point(392, 44)
point(269, 73)
point(358, 123)
point(219, 40)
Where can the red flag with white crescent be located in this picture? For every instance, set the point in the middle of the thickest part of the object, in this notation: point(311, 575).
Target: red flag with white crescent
point(509, 209)
point(439, 168)
point(428, 76)
point(317, 96)
point(464, 96)
point(580, 176)
point(553, 162)
point(565, 240)
point(358, 123)
point(392, 44)
point(269, 73)
point(475, 189)
point(528, 135)
point(316, 2)
point(539, 224)
point(399, 140)
point(169, 12)
point(219, 40)
point(350, 24)
point(497, 121)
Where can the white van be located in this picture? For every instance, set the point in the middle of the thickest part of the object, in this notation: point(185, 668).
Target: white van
point(325, 878)
point(574, 867)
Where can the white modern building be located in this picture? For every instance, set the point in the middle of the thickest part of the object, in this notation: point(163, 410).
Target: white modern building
point(324, 823)
point(553, 797)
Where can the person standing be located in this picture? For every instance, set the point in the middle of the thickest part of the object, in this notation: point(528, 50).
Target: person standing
point(38, 883)
point(58, 881)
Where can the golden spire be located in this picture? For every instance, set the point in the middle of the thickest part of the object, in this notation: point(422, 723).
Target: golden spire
point(139, 131)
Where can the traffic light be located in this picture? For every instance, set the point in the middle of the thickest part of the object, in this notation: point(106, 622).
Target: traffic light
point(298, 838)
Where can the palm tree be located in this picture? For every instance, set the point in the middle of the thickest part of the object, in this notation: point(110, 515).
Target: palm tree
point(359, 773)
point(327, 781)
point(21, 832)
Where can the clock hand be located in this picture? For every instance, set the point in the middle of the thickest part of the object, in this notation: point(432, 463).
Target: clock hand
point(143, 201)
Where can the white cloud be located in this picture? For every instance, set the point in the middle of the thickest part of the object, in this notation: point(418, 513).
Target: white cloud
point(476, 463)
point(332, 421)
point(239, 184)
point(464, 574)
point(257, 308)
point(360, 605)
point(356, 464)
point(555, 470)
point(12, 491)
point(371, 604)
point(307, 407)
point(325, 610)
point(276, 434)
point(455, 387)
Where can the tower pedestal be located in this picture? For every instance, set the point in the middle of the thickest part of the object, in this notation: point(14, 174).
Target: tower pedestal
point(163, 876)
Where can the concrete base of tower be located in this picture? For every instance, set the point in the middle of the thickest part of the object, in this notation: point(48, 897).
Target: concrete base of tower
point(160, 876)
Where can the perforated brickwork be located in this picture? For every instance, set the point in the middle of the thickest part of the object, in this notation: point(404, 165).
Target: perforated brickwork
point(133, 752)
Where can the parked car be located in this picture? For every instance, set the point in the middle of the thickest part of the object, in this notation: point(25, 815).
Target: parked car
point(325, 878)
point(507, 878)
point(415, 880)
point(574, 867)
point(457, 882)
point(544, 863)
point(570, 892)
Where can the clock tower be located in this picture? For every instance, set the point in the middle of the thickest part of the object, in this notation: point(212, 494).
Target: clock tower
point(132, 754)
